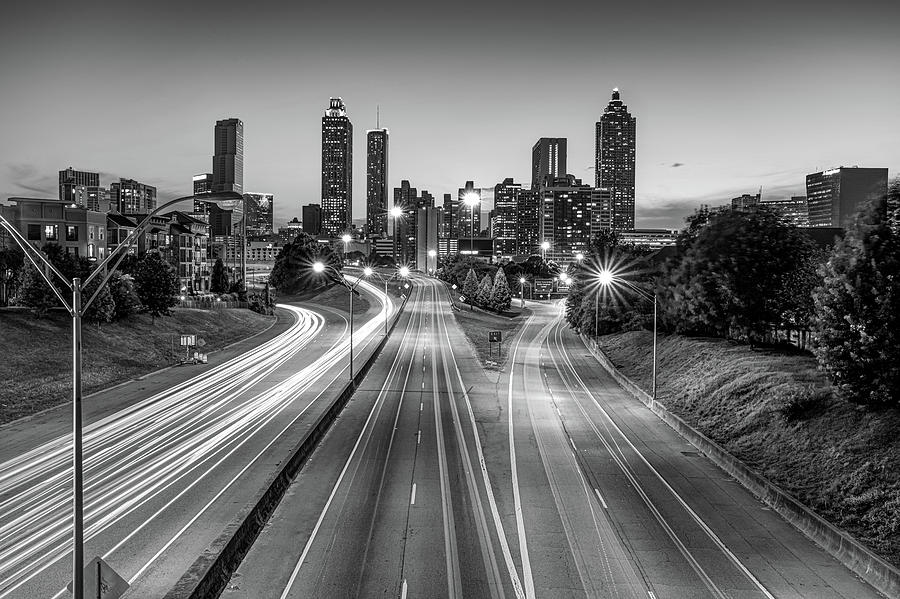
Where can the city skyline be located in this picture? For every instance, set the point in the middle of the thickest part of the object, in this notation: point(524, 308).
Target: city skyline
point(719, 118)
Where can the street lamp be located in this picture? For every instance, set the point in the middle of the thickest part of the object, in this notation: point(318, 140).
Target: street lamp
point(77, 309)
point(346, 238)
point(607, 278)
point(396, 213)
point(522, 290)
point(368, 271)
point(579, 257)
point(471, 199)
point(432, 255)
point(545, 245)
point(319, 267)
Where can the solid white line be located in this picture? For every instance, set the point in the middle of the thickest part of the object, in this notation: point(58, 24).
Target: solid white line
point(517, 499)
point(403, 590)
point(421, 405)
point(600, 497)
point(418, 437)
point(651, 595)
point(573, 444)
point(412, 500)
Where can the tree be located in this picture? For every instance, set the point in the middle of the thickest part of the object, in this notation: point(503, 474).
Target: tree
point(103, 308)
point(34, 291)
point(292, 271)
point(11, 262)
point(126, 299)
point(858, 311)
point(218, 281)
point(156, 284)
point(483, 295)
point(470, 287)
point(501, 298)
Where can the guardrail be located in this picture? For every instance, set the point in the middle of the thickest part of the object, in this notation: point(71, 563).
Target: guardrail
point(210, 573)
point(841, 545)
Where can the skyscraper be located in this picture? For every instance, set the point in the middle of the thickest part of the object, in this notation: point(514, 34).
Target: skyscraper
point(132, 197)
point(836, 195)
point(466, 214)
point(228, 157)
point(566, 218)
point(504, 224)
point(203, 183)
point(337, 170)
point(376, 182)
point(614, 161)
point(76, 186)
point(548, 157)
point(260, 213)
point(312, 219)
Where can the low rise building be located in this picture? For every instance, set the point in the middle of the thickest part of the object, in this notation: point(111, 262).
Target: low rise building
point(79, 231)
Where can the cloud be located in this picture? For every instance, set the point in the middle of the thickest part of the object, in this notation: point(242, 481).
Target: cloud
point(27, 177)
point(677, 164)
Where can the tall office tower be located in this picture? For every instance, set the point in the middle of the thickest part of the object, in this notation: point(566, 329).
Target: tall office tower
point(228, 159)
point(528, 223)
point(548, 157)
point(97, 199)
point(203, 183)
point(745, 203)
point(835, 196)
point(792, 211)
point(403, 227)
point(601, 210)
point(376, 182)
point(614, 161)
point(312, 219)
point(465, 214)
point(132, 197)
point(337, 170)
point(448, 225)
point(427, 222)
point(566, 217)
point(260, 213)
point(504, 223)
point(74, 186)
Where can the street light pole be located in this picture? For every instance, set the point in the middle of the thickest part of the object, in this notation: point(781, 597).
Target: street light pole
point(654, 346)
point(77, 309)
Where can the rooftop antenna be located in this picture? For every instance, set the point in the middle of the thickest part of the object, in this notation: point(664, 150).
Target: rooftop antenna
point(377, 116)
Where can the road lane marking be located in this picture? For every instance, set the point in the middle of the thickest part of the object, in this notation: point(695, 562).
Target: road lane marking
point(573, 444)
point(517, 499)
point(412, 500)
point(600, 497)
point(421, 405)
point(418, 437)
point(709, 532)
point(403, 590)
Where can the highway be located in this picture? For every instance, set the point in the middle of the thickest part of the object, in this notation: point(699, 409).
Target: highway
point(167, 471)
point(441, 479)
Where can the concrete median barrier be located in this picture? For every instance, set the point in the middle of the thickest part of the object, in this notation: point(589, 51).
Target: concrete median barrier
point(211, 571)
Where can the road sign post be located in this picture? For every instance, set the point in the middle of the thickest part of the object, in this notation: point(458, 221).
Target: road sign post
point(494, 337)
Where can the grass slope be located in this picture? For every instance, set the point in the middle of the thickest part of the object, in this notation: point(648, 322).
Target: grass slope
point(477, 323)
point(775, 411)
point(35, 370)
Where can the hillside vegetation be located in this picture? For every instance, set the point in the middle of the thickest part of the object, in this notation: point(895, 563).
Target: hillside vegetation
point(775, 411)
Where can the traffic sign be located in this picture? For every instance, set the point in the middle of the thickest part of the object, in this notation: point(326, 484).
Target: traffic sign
point(494, 336)
point(189, 340)
point(101, 581)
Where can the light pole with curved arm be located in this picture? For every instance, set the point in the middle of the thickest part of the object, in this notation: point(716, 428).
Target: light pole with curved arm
point(607, 278)
point(77, 308)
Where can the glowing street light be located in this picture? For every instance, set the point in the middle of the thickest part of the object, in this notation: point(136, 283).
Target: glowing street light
point(403, 271)
point(522, 290)
point(607, 278)
point(346, 238)
point(545, 245)
point(579, 257)
point(318, 266)
point(396, 213)
point(367, 271)
point(432, 254)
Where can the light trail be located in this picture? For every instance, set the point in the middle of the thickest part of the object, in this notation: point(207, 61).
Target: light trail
point(139, 453)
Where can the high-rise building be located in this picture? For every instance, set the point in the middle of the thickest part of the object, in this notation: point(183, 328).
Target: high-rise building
point(376, 182)
point(288, 233)
point(507, 196)
point(427, 237)
point(548, 158)
point(260, 213)
point(337, 170)
point(836, 195)
point(745, 202)
point(228, 159)
point(81, 188)
point(312, 219)
point(203, 183)
point(792, 211)
point(132, 197)
point(528, 222)
point(614, 161)
point(468, 217)
point(601, 210)
point(566, 217)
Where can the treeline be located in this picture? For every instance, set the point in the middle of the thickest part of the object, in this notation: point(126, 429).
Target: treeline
point(744, 275)
point(489, 286)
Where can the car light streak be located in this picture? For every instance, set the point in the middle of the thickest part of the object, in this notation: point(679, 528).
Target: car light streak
point(138, 453)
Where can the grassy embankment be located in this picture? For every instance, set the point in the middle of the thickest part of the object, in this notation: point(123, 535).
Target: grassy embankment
point(35, 370)
point(477, 323)
point(775, 411)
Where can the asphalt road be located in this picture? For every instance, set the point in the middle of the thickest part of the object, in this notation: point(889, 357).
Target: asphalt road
point(545, 480)
point(169, 460)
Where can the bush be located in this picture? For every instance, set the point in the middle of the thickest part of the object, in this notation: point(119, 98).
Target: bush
point(123, 294)
point(802, 403)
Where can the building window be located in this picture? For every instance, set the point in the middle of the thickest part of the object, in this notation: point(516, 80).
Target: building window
point(91, 250)
point(101, 233)
point(71, 233)
point(34, 232)
point(51, 232)
point(91, 233)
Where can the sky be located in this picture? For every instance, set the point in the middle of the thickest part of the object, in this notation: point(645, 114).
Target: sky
point(729, 97)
